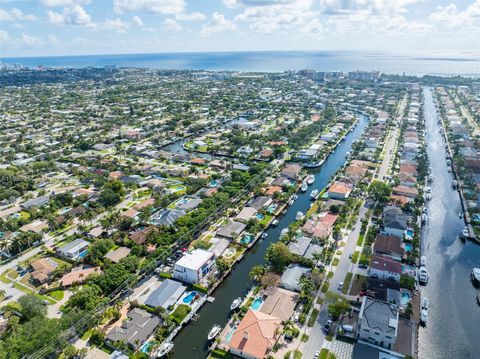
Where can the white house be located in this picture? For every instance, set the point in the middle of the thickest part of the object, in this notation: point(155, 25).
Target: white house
point(378, 323)
point(385, 268)
point(194, 266)
point(395, 223)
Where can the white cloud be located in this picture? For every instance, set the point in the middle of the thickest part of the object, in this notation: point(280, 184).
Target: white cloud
point(4, 38)
point(230, 3)
point(57, 3)
point(314, 26)
point(194, 16)
point(218, 24)
point(114, 24)
point(136, 20)
point(15, 15)
point(75, 15)
point(154, 6)
point(450, 16)
point(21, 42)
point(271, 16)
point(171, 24)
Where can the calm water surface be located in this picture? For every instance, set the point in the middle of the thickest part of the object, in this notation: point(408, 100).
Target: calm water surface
point(453, 329)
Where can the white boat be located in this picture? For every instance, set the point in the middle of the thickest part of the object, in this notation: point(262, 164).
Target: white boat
point(424, 218)
point(465, 233)
point(164, 349)
point(423, 261)
point(424, 311)
point(264, 235)
point(236, 303)
point(275, 222)
point(284, 232)
point(347, 155)
point(422, 275)
point(460, 214)
point(454, 184)
point(314, 194)
point(291, 202)
point(214, 331)
point(295, 197)
point(430, 178)
point(475, 275)
point(299, 216)
point(428, 196)
point(304, 187)
point(428, 189)
point(449, 169)
point(310, 179)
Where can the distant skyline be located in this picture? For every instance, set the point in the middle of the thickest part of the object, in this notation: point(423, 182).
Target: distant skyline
point(83, 27)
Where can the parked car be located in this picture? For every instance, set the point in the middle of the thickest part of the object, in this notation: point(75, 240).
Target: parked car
point(340, 286)
point(327, 326)
point(316, 355)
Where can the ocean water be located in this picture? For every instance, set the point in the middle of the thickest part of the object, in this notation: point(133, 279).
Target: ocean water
point(445, 64)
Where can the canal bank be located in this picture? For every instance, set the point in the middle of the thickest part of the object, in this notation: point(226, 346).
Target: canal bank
point(191, 341)
point(452, 329)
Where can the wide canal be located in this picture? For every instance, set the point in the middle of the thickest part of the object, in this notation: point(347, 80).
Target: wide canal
point(452, 330)
point(191, 342)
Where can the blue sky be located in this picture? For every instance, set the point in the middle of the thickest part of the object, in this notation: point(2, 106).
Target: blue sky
point(70, 27)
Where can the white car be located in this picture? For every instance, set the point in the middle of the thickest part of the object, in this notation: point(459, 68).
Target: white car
point(316, 355)
point(340, 286)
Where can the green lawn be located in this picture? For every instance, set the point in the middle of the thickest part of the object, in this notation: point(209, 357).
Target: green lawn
point(355, 256)
point(335, 261)
point(360, 239)
point(4, 278)
point(57, 295)
point(313, 317)
point(265, 220)
point(325, 287)
point(346, 282)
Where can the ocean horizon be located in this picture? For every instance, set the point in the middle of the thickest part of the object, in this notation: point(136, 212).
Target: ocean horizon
point(435, 63)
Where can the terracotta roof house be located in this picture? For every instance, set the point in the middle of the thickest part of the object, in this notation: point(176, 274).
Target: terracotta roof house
point(130, 213)
point(409, 169)
point(197, 161)
point(340, 190)
point(407, 180)
point(390, 246)
point(405, 191)
point(210, 192)
point(78, 275)
point(140, 235)
point(320, 226)
point(145, 203)
point(382, 267)
point(271, 190)
point(115, 175)
point(266, 153)
point(42, 268)
point(255, 335)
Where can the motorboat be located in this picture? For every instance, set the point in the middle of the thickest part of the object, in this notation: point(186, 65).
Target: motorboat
point(430, 178)
point(310, 179)
point(295, 197)
point(460, 214)
point(449, 169)
point(425, 210)
point(236, 303)
point(284, 232)
point(299, 216)
point(422, 275)
point(428, 196)
point(275, 222)
point(465, 233)
point(164, 349)
point(424, 311)
point(455, 184)
point(424, 218)
point(304, 187)
point(423, 261)
point(314, 194)
point(428, 189)
point(475, 276)
point(214, 332)
point(264, 235)
point(347, 155)
point(292, 201)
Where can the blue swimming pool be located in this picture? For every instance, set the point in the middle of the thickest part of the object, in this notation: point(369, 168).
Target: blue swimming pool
point(257, 303)
point(213, 183)
point(260, 216)
point(188, 299)
point(228, 337)
point(247, 239)
point(409, 232)
point(408, 247)
point(145, 348)
point(82, 254)
point(272, 208)
point(405, 299)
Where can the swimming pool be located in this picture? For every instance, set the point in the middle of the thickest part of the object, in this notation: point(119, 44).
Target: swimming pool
point(188, 299)
point(63, 210)
point(409, 232)
point(145, 348)
point(213, 183)
point(260, 216)
point(82, 254)
point(228, 337)
point(405, 299)
point(272, 208)
point(257, 303)
point(246, 239)
point(408, 247)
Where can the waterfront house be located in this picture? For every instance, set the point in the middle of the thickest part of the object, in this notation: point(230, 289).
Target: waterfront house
point(78, 275)
point(340, 190)
point(194, 266)
point(383, 267)
point(255, 335)
point(246, 214)
point(378, 322)
point(261, 202)
point(389, 246)
point(280, 303)
point(231, 229)
point(395, 223)
point(290, 279)
point(139, 326)
point(75, 249)
point(169, 292)
point(410, 192)
point(291, 171)
point(320, 226)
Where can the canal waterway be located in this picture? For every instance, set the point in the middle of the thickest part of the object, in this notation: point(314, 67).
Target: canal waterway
point(452, 330)
point(191, 342)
